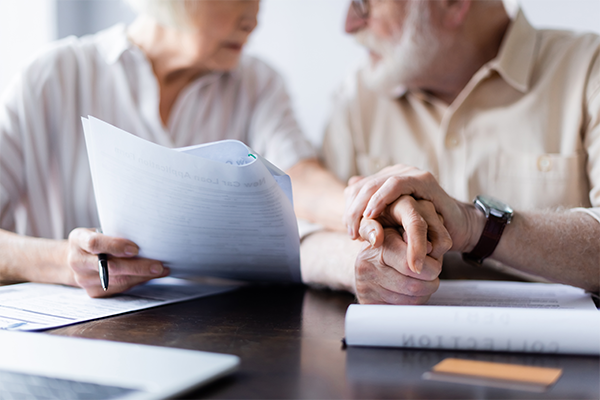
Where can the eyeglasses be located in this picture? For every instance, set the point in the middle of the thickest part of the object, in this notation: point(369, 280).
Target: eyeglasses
point(361, 7)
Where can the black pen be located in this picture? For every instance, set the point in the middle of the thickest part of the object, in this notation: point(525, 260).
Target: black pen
point(103, 270)
point(103, 267)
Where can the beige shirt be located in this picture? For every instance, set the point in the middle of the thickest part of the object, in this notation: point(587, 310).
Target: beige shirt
point(525, 129)
point(45, 182)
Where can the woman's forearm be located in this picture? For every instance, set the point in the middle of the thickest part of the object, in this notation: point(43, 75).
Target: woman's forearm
point(328, 260)
point(318, 195)
point(33, 259)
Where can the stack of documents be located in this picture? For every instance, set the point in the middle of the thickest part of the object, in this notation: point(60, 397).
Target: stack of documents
point(484, 316)
point(217, 209)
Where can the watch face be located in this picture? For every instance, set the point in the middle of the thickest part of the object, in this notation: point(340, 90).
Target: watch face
point(495, 204)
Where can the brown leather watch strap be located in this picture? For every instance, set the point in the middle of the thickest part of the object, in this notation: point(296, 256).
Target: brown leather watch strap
point(492, 232)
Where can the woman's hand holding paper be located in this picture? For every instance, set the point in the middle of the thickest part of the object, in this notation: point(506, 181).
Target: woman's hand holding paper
point(125, 269)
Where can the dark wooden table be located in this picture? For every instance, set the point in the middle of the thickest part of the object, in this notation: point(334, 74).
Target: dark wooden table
point(289, 341)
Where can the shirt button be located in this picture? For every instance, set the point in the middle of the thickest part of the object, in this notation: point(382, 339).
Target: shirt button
point(452, 142)
point(544, 163)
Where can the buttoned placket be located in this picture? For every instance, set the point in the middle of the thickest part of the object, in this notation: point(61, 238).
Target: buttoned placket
point(453, 140)
point(149, 98)
point(181, 139)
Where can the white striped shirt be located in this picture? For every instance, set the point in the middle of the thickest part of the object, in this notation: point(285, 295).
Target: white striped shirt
point(45, 183)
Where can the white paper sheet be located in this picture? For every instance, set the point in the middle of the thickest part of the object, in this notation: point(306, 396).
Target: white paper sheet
point(559, 319)
point(38, 306)
point(510, 294)
point(216, 209)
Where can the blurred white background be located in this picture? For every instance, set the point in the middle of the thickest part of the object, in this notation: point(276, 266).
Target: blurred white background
point(302, 39)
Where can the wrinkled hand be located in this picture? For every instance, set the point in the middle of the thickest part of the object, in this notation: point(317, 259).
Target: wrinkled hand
point(124, 268)
point(421, 228)
point(390, 269)
point(368, 197)
point(383, 277)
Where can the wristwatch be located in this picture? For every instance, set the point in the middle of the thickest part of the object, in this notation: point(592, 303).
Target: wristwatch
point(498, 215)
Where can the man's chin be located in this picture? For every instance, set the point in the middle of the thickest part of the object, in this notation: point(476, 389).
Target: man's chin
point(375, 58)
point(381, 79)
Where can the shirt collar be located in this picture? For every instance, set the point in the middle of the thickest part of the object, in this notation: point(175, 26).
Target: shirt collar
point(515, 59)
point(113, 42)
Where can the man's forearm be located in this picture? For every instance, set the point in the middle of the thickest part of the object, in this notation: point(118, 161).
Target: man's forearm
point(32, 259)
point(318, 194)
point(328, 260)
point(561, 246)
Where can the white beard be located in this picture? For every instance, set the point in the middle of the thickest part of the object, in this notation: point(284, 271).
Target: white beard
point(401, 60)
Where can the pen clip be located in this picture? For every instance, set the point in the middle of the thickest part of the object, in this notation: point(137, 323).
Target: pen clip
point(103, 267)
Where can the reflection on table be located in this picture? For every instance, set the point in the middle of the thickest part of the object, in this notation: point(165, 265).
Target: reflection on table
point(289, 340)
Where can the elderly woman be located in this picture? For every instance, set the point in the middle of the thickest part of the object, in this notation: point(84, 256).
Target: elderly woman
point(175, 76)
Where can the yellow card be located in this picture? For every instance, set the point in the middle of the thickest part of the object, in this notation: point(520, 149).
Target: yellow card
point(486, 373)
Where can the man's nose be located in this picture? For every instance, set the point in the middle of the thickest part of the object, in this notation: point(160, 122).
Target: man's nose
point(354, 21)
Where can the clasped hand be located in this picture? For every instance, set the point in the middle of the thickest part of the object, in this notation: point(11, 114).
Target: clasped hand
point(408, 222)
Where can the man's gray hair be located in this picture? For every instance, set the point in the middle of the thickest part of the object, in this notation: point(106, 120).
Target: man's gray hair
point(172, 13)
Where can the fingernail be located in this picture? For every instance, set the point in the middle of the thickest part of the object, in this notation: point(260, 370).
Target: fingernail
point(372, 238)
point(418, 266)
point(131, 250)
point(156, 269)
point(367, 213)
point(350, 232)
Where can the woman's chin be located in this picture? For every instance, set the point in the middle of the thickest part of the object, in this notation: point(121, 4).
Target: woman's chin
point(225, 64)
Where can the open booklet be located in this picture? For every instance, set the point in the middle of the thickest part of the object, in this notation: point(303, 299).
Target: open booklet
point(216, 209)
point(484, 316)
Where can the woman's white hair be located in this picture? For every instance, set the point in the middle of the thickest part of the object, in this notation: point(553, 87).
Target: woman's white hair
point(172, 13)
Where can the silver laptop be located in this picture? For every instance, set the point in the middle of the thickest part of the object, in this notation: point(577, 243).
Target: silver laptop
point(43, 366)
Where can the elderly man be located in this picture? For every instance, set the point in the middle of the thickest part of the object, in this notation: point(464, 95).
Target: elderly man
point(461, 99)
